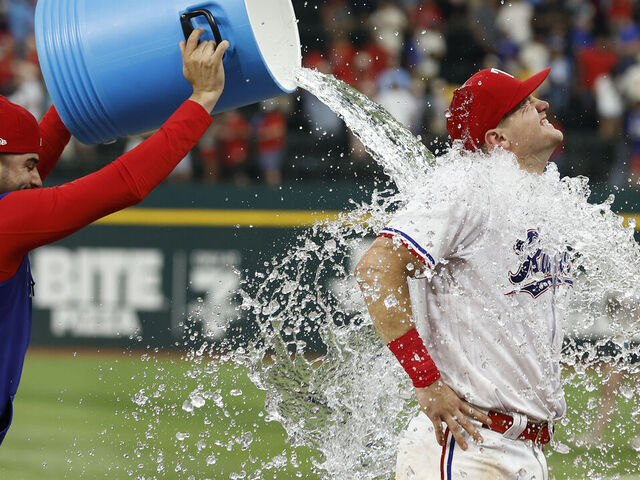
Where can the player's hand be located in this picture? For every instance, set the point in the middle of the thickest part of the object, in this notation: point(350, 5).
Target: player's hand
point(202, 67)
point(442, 405)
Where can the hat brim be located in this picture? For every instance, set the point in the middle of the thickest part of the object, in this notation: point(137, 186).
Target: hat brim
point(529, 86)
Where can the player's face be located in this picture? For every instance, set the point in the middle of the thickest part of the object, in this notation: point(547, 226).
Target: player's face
point(18, 172)
point(529, 131)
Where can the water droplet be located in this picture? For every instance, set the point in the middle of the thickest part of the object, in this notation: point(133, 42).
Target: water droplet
point(390, 301)
point(140, 398)
point(627, 391)
point(187, 406)
point(196, 400)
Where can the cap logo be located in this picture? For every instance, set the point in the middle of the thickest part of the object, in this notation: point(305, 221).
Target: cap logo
point(3, 142)
point(495, 70)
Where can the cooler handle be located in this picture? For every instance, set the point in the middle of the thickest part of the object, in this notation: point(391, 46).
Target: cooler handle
point(187, 27)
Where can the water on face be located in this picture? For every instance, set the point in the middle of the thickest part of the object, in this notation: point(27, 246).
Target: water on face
point(351, 403)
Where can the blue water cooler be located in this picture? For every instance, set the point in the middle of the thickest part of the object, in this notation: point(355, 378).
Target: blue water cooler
point(113, 68)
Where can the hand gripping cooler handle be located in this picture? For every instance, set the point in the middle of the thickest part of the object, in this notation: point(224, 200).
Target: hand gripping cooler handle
point(187, 27)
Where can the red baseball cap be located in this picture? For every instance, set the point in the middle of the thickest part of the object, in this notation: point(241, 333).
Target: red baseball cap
point(482, 102)
point(19, 130)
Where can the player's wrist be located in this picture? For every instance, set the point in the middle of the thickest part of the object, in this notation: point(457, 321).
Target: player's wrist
point(208, 100)
point(410, 351)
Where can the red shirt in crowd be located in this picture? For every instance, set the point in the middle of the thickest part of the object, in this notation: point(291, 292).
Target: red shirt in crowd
point(234, 144)
point(594, 62)
point(272, 132)
point(6, 59)
point(341, 60)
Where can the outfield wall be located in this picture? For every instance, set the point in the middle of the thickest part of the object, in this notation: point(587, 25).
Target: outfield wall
point(133, 279)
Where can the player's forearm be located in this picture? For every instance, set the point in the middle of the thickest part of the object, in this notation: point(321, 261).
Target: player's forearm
point(154, 159)
point(55, 137)
point(382, 276)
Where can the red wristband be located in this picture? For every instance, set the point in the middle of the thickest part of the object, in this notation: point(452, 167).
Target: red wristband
point(414, 358)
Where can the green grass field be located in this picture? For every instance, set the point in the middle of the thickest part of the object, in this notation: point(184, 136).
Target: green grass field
point(75, 419)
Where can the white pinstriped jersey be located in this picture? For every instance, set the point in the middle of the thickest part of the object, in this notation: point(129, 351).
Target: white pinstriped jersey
point(488, 306)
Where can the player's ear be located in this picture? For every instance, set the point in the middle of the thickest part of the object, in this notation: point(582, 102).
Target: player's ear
point(496, 138)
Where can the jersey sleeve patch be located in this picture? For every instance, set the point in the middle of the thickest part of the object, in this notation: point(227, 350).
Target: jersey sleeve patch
point(411, 245)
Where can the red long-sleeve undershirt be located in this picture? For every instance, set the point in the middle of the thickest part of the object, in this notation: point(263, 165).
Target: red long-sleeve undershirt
point(36, 217)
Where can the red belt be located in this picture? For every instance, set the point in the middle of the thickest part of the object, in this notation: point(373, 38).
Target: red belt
point(536, 432)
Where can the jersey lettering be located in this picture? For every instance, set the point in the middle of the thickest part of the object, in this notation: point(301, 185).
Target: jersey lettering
point(536, 268)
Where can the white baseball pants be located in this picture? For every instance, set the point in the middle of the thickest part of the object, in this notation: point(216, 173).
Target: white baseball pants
point(497, 458)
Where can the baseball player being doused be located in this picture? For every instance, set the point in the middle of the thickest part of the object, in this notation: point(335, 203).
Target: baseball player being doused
point(469, 303)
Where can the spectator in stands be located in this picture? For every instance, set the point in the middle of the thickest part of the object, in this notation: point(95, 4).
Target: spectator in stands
point(609, 106)
point(29, 89)
point(341, 56)
point(21, 17)
point(7, 51)
point(628, 43)
point(387, 25)
point(427, 15)
point(560, 78)
point(593, 61)
point(370, 60)
point(270, 126)
point(395, 94)
point(432, 47)
point(535, 56)
point(514, 20)
point(209, 155)
point(581, 35)
point(483, 23)
point(336, 16)
point(234, 133)
point(463, 53)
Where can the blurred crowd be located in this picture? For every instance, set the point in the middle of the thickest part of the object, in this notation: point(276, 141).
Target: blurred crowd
point(408, 55)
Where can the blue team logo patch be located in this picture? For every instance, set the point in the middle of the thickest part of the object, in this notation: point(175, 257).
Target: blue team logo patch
point(538, 272)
